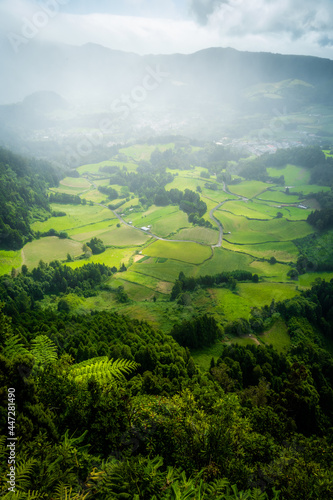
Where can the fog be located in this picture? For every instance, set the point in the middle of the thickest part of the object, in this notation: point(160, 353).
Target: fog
point(56, 95)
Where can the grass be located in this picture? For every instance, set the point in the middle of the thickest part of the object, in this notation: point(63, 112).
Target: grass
point(48, 249)
point(254, 231)
point(94, 168)
point(284, 251)
point(123, 236)
point(306, 280)
point(279, 197)
point(193, 253)
point(233, 305)
point(200, 234)
point(111, 257)
point(8, 260)
point(166, 271)
point(293, 175)
point(202, 357)
point(76, 216)
point(141, 279)
point(277, 336)
point(223, 260)
point(269, 272)
point(248, 189)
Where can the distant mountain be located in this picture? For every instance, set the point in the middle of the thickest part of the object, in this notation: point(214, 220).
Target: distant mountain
point(94, 73)
point(194, 94)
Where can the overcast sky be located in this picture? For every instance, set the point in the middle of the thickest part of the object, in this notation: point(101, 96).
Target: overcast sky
point(169, 26)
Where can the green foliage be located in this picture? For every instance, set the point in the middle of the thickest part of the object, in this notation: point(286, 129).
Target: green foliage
point(103, 370)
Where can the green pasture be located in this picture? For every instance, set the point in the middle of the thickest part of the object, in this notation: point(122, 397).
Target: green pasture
point(202, 357)
point(223, 260)
point(8, 260)
point(169, 225)
point(91, 230)
point(270, 272)
point(284, 251)
point(94, 195)
point(163, 220)
point(48, 249)
point(247, 231)
point(277, 336)
point(164, 271)
point(254, 210)
point(94, 168)
point(111, 257)
point(279, 197)
point(250, 209)
point(249, 189)
point(199, 234)
point(124, 236)
point(193, 253)
point(309, 188)
point(79, 183)
point(135, 291)
point(187, 181)
point(293, 175)
point(76, 216)
point(295, 213)
point(306, 280)
point(238, 304)
point(144, 280)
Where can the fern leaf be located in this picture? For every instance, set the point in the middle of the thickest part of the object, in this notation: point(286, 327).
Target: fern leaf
point(105, 371)
point(43, 350)
point(13, 347)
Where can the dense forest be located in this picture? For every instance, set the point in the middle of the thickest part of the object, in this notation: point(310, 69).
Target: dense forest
point(121, 411)
point(23, 185)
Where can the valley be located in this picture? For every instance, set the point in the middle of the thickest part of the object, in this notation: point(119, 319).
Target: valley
point(252, 225)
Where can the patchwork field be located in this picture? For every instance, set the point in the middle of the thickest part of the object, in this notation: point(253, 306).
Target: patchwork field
point(253, 232)
point(284, 251)
point(192, 253)
point(238, 229)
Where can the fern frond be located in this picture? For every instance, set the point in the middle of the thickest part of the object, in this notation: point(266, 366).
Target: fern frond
point(13, 347)
point(43, 350)
point(65, 492)
point(21, 495)
point(24, 471)
point(105, 371)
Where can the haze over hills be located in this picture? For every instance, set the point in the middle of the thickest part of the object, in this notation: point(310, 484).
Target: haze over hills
point(220, 91)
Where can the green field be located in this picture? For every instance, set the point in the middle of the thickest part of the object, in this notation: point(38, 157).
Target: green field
point(244, 231)
point(223, 260)
point(48, 249)
point(192, 253)
point(77, 216)
point(8, 260)
point(238, 304)
point(200, 234)
point(249, 189)
point(284, 251)
point(111, 257)
point(293, 175)
point(279, 197)
point(123, 236)
point(277, 336)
